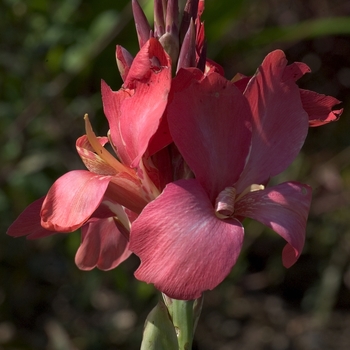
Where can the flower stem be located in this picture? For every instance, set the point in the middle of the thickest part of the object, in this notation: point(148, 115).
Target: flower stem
point(184, 315)
point(183, 322)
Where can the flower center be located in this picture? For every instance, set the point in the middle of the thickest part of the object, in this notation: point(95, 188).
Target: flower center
point(225, 201)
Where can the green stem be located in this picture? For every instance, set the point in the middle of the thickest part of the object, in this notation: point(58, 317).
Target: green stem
point(184, 315)
point(183, 322)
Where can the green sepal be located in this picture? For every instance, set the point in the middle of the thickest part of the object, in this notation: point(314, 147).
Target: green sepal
point(159, 332)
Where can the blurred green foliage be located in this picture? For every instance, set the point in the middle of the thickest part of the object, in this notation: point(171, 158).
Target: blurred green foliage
point(52, 58)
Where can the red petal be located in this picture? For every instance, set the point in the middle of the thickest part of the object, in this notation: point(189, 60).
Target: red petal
point(102, 246)
point(72, 199)
point(92, 160)
point(241, 81)
point(134, 112)
point(280, 122)
point(320, 107)
point(212, 66)
point(161, 138)
point(209, 120)
point(28, 223)
point(295, 71)
point(184, 248)
point(283, 208)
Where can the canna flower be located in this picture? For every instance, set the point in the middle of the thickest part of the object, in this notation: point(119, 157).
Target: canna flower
point(234, 140)
point(195, 138)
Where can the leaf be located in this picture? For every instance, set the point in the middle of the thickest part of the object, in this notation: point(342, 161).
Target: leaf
point(159, 332)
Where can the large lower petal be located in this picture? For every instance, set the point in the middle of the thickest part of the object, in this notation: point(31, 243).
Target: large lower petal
point(135, 111)
point(210, 122)
point(28, 223)
point(284, 208)
point(184, 248)
point(280, 121)
point(103, 245)
point(72, 199)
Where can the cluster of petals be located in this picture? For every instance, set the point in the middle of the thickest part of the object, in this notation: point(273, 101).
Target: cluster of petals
point(234, 136)
point(104, 199)
point(193, 157)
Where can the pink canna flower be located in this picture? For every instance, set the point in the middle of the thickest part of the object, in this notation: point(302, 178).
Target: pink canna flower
point(234, 140)
point(193, 156)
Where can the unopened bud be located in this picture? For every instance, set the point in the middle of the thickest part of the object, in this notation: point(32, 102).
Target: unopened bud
point(170, 44)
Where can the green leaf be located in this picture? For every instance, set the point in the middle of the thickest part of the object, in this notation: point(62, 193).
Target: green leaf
point(159, 332)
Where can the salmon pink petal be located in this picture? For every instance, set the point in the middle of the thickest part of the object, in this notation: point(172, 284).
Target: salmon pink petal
point(103, 245)
point(280, 123)
point(72, 199)
point(320, 107)
point(92, 160)
point(210, 122)
point(28, 223)
point(284, 208)
point(184, 248)
point(134, 112)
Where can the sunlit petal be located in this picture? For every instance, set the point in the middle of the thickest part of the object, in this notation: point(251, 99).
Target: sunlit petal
point(135, 111)
point(284, 208)
point(72, 199)
point(184, 248)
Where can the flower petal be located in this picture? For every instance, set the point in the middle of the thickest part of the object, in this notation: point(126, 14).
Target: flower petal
point(295, 71)
point(209, 120)
point(280, 122)
point(184, 248)
point(92, 160)
point(320, 107)
point(284, 208)
point(135, 111)
point(28, 223)
point(127, 191)
point(72, 199)
point(88, 252)
point(103, 245)
point(114, 246)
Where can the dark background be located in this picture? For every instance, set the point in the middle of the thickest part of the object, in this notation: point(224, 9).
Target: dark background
point(52, 57)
